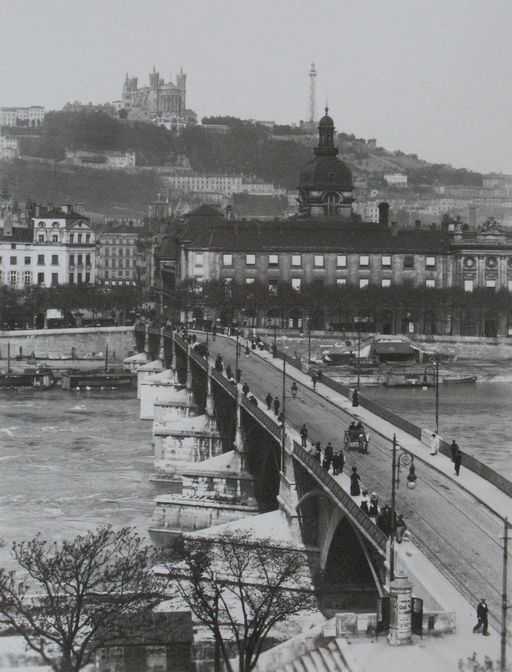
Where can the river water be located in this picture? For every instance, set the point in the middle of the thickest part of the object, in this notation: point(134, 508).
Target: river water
point(70, 461)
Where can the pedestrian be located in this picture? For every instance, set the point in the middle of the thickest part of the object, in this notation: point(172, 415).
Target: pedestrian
point(364, 506)
point(354, 483)
point(314, 379)
point(245, 389)
point(326, 462)
point(400, 528)
point(434, 444)
point(277, 403)
point(457, 460)
point(374, 505)
point(268, 400)
point(482, 614)
point(304, 435)
point(280, 418)
point(341, 460)
point(318, 452)
point(294, 390)
point(453, 449)
point(355, 398)
point(328, 455)
point(335, 464)
point(229, 372)
point(253, 400)
point(238, 375)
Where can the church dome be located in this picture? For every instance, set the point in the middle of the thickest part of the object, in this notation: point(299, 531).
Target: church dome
point(326, 173)
point(326, 120)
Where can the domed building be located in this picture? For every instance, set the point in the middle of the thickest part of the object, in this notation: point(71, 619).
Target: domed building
point(325, 188)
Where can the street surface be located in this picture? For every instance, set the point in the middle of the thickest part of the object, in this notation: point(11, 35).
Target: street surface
point(458, 533)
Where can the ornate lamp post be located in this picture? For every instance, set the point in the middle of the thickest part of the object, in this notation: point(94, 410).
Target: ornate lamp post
point(400, 457)
point(433, 371)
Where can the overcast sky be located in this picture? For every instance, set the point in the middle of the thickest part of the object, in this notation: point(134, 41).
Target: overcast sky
point(431, 77)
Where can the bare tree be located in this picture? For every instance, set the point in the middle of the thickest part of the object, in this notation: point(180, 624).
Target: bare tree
point(77, 596)
point(240, 588)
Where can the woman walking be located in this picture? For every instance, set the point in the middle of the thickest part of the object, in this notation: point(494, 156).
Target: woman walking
point(354, 483)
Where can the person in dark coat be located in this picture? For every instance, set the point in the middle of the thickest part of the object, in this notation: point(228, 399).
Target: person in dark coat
point(318, 452)
point(304, 435)
point(277, 403)
point(229, 372)
point(482, 614)
point(374, 506)
point(453, 449)
point(328, 455)
point(314, 380)
point(400, 528)
point(341, 461)
point(457, 460)
point(268, 400)
point(245, 389)
point(238, 375)
point(355, 398)
point(364, 506)
point(354, 483)
point(294, 390)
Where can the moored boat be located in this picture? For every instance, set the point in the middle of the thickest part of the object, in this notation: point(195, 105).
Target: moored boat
point(459, 379)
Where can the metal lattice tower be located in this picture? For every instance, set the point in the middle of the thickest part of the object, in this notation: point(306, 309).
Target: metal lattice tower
point(312, 77)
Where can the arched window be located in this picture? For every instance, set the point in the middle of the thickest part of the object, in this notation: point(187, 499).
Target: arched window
point(332, 200)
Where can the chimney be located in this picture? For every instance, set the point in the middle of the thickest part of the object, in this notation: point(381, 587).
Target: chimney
point(417, 224)
point(8, 227)
point(66, 207)
point(384, 213)
point(37, 210)
point(394, 228)
point(229, 212)
point(472, 216)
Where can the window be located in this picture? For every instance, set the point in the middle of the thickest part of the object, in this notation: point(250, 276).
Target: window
point(87, 259)
point(363, 282)
point(250, 259)
point(296, 260)
point(79, 278)
point(227, 260)
point(341, 282)
point(409, 262)
point(386, 261)
point(319, 261)
point(386, 282)
point(13, 261)
point(510, 285)
point(79, 237)
point(199, 260)
point(87, 237)
point(71, 237)
point(491, 284)
point(430, 262)
point(40, 238)
point(430, 284)
point(121, 251)
point(296, 283)
point(27, 261)
point(13, 278)
point(55, 259)
point(468, 285)
point(71, 259)
point(71, 278)
point(40, 259)
point(40, 278)
point(107, 251)
point(55, 279)
point(27, 278)
point(106, 275)
point(249, 281)
point(79, 258)
point(87, 277)
point(13, 246)
point(55, 238)
point(273, 260)
point(364, 261)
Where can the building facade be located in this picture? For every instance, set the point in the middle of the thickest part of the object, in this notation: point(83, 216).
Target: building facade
point(22, 116)
point(56, 249)
point(116, 256)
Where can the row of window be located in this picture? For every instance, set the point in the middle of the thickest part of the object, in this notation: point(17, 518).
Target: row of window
point(127, 252)
point(122, 262)
point(319, 261)
point(80, 278)
point(41, 238)
point(297, 283)
point(14, 277)
point(79, 259)
point(13, 261)
point(118, 274)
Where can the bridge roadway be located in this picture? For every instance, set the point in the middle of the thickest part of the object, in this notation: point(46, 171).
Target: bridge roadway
point(456, 532)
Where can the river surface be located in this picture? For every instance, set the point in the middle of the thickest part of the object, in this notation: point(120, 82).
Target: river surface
point(70, 461)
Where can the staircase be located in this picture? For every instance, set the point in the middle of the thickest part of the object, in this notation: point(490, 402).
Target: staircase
point(332, 657)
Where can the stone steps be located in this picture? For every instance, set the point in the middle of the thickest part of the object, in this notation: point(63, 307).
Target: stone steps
point(329, 658)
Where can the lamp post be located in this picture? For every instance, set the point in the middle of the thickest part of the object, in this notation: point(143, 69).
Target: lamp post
point(434, 372)
point(309, 339)
point(283, 415)
point(407, 460)
point(504, 600)
point(358, 358)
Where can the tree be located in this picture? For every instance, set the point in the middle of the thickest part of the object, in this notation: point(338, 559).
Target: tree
point(240, 588)
point(78, 596)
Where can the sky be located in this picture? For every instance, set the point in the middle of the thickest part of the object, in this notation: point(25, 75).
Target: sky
point(431, 77)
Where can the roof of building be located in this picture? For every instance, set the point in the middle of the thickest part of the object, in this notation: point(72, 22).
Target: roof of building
point(19, 235)
point(317, 236)
point(393, 348)
point(326, 173)
point(58, 213)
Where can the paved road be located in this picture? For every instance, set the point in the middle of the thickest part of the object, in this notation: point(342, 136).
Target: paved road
point(454, 530)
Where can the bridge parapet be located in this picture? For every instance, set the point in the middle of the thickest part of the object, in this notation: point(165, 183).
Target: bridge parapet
point(358, 517)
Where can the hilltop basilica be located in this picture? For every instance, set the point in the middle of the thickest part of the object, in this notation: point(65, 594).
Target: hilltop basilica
point(162, 103)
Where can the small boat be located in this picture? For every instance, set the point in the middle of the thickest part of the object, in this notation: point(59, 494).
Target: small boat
point(459, 379)
point(42, 379)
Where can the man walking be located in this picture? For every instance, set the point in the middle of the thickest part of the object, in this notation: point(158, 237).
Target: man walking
point(314, 380)
point(482, 614)
point(304, 435)
point(434, 444)
point(457, 460)
point(453, 449)
point(268, 400)
point(277, 403)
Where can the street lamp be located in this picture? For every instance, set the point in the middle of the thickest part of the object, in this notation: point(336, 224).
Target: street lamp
point(407, 460)
point(504, 599)
point(358, 359)
point(283, 415)
point(309, 339)
point(433, 371)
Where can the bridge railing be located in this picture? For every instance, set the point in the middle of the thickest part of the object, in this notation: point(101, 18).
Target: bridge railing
point(360, 517)
point(273, 427)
